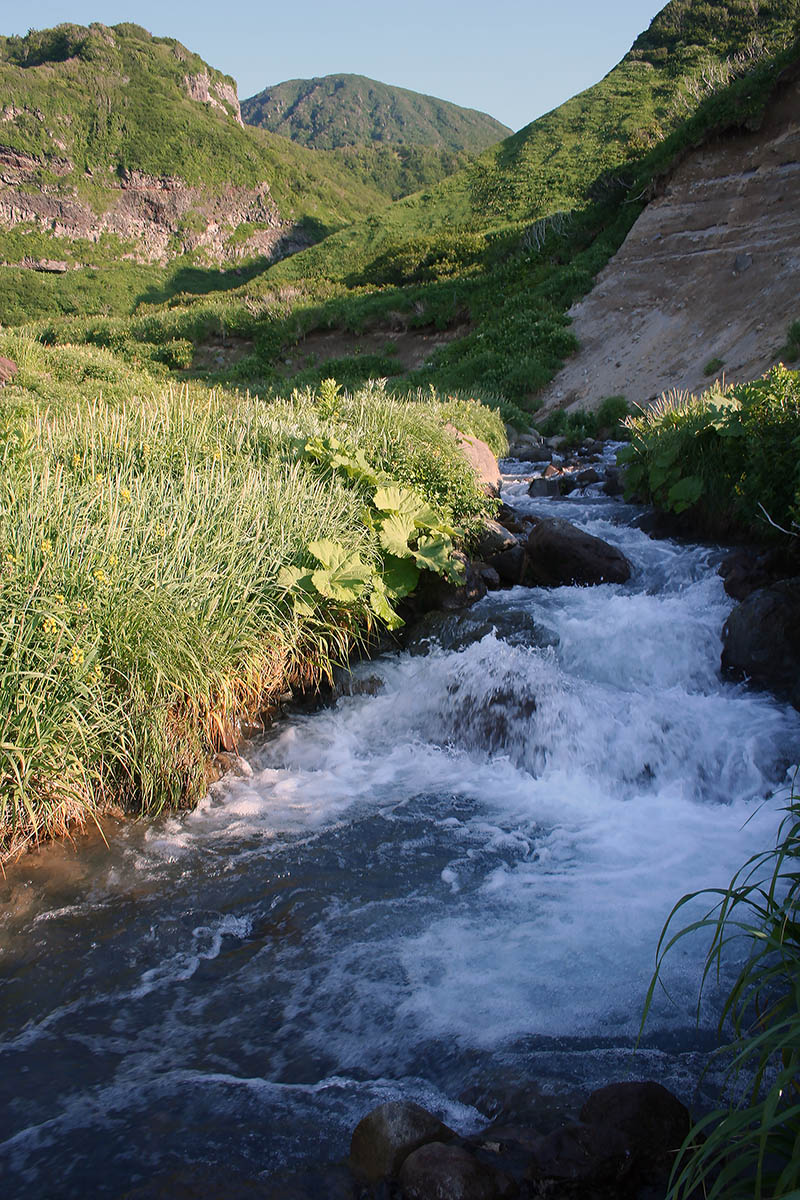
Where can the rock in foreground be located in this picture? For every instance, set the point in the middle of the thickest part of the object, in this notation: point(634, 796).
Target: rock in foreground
point(385, 1137)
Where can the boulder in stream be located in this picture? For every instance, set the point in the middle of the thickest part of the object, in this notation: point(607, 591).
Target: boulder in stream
point(646, 1117)
point(385, 1137)
point(561, 554)
point(446, 1172)
point(761, 639)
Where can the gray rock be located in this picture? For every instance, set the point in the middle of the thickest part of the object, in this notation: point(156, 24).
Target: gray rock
point(613, 483)
point(489, 576)
point(510, 565)
point(584, 478)
point(559, 553)
point(385, 1137)
point(493, 540)
point(544, 487)
point(440, 1172)
point(761, 639)
point(555, 443)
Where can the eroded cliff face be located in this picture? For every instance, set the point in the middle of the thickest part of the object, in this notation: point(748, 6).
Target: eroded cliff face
point(161, 215)
point(710, 271)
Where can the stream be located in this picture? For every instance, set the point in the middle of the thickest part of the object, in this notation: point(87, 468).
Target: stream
point(447, 887)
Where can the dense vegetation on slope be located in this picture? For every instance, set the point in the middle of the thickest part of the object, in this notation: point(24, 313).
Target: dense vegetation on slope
point(500, 250)
point(172, 560)
point(351, 110)
point(92, 104)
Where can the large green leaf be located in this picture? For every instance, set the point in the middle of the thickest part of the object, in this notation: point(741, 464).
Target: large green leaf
point(400, 576)
point(434, 553)
point(328, 553)
point(398, 500)
point(383, 609)
point(685, 493)
point(298, 584)
point(345, 582)
point(394, 533)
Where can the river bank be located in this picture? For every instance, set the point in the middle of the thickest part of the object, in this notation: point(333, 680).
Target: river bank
point(446, 888)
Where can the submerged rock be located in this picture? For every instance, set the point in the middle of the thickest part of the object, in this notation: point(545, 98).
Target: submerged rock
point(561, 554)
point(385, 1137)
point(442, 1172)
point(761, 639)
point(455, 631)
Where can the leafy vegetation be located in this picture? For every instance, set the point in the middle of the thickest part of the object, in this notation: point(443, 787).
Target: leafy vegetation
point(732, 455)
point(351, 110)
point(151, 543)
point(749, 1149)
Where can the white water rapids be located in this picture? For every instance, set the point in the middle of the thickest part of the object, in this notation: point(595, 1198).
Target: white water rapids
point(449, 887)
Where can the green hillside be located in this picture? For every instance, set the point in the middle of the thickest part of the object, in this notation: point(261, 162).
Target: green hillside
point(351, 110)
point(495, 254)
point(92, 105)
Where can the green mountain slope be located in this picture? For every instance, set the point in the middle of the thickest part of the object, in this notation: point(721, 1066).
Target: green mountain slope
point(351, 110)
point(87, 108)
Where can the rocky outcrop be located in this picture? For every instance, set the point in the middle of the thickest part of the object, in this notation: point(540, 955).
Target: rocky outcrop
point(217, 92)
point(761, 639)
point(708, 273)
point(162, 215)
point(8, 369)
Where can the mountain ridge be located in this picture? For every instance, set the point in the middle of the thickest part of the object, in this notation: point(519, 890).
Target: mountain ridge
point(332, 111)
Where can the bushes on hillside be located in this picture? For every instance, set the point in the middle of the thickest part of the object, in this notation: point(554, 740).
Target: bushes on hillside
point(732, 455)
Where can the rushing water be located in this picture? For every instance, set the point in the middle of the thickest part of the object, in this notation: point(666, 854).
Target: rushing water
point(447, 887)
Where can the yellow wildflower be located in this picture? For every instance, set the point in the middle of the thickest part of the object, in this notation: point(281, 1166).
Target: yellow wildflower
point(113, 559)
point(100, 577)
point(76, 656)
point(50, 626)
point(61, 598)
point(125, 495)
point(46, 547)
point(95, 676)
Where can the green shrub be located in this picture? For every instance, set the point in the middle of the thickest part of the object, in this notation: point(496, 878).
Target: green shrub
point(712, 366)
point(732, 455)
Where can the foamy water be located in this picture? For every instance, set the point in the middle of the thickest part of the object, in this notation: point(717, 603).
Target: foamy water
point(444, 889)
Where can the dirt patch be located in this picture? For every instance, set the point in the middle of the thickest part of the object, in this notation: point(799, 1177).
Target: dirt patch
point(410, 348)
point(217, 353)
point(710, 271)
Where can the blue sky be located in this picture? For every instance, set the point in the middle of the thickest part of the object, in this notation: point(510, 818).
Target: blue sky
point(514, 60)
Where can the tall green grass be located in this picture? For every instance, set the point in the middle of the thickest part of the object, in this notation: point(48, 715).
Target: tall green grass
point(749, 1148)
point(142, 533)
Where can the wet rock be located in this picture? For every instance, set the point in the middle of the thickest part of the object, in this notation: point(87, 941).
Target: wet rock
point(551, 472)
point(613, 483)
point(510, 565)
point(385, 1137)
point(746, 570)
point(590, 475)
point(651, 1121)
point(559, 553)
point(761, 639)
point(456, 631)
point(580, 1154)
point(511, 519)
point(544, 487)
point(434, 591)
point(489, 576)
point(494, 539)
point(442, 1172)
point(555, 443)
point(531, 452)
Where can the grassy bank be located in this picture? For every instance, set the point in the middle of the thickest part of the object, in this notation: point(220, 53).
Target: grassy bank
point(174, 558)
point(729, 459)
